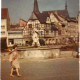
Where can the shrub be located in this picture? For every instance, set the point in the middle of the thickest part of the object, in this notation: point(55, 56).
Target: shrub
point(30, 42)
point(42, 42)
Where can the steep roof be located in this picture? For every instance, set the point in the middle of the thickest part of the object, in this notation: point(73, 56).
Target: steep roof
point(43, 16)
point(63, 13)
point(40, 16)
point(36, 15)
point(4, 13)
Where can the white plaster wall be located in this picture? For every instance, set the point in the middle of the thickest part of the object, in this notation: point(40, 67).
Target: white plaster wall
point(53, 19)
point(15, 36)
point(4, 23)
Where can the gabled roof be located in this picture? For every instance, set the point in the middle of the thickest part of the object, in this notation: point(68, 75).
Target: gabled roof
point(4, 13)
point(40, 16)
point(63, 13)
point(23, 20)
point(56, 17)
point(43, 16)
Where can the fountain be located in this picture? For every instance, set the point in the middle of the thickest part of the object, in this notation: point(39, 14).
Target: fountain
point(37, 51)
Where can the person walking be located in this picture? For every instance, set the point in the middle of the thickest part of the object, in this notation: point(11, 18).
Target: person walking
point(14, 61)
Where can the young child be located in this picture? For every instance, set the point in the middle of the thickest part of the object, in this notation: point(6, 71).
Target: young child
point(14, 61)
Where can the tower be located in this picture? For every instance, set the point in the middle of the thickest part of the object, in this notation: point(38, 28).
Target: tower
point(36, 9)
point(66, 5)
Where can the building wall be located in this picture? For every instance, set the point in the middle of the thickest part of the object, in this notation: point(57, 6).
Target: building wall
point(3, 28)
point(31, 25)
point(15, 37)
point(73, 29)
point(4, 32)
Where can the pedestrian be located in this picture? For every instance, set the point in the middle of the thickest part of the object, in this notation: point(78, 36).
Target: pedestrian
point(14, 61)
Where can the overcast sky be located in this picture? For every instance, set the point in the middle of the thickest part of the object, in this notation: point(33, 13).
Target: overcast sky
point(23, 8)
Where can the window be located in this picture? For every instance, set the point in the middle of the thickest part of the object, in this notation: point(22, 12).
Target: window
point(11, 41)
point(30, 25)
point(63, 25)
point(30, 33)
point(59, 32)
point(2, 27)
point(37, 26)
point(54, 33)
point(47, 31)
point(41, 32)
point(2, 33)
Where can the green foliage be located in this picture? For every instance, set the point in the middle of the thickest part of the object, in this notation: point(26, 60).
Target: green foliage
point(30, 42)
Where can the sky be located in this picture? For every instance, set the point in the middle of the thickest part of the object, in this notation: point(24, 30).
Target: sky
point(22, 9)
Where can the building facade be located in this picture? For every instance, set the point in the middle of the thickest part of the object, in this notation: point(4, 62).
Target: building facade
point(16, 34)
point(53, 27)
point(5, 22)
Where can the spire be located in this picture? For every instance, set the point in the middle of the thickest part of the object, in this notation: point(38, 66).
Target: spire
point(36, 9)
point(66, 5)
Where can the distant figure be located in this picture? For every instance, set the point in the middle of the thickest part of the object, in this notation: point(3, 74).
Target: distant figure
point(35, 38)
point(14, 61)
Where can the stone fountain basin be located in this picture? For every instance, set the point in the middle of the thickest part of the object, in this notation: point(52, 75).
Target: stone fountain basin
point(45, 53)
point(40, 53)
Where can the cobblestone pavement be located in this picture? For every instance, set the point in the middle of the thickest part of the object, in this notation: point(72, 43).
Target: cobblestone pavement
point(57, 69)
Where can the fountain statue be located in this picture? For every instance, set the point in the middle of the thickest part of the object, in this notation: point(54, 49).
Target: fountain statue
point(35, 38)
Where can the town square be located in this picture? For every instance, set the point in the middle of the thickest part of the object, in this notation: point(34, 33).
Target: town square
point(41, 45)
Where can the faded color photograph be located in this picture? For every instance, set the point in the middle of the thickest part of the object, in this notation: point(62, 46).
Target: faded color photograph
point(39, 39)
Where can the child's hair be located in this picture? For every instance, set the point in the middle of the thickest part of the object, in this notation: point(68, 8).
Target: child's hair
point(14, 46)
